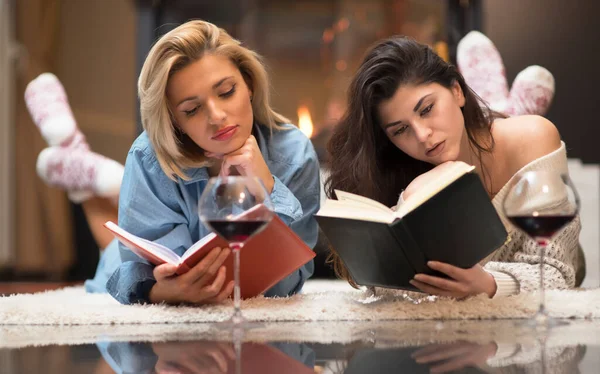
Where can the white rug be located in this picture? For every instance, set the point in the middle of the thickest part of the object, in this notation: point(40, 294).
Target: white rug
point(392, 333)
point(320, 301)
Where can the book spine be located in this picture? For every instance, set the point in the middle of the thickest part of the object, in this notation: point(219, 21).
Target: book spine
point(182, 268)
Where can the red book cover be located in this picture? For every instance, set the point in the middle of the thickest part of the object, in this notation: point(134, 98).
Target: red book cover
point(264, 359)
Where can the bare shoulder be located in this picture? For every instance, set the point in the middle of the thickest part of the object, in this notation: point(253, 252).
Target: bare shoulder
point(523, 139)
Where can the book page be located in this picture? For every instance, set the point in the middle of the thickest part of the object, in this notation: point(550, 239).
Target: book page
point(355, 210)
point(197, 246)
point(140, 245)
point(347, 196)
point(446, 177)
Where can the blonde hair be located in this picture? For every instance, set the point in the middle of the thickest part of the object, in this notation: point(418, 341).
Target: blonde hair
point(175, 50)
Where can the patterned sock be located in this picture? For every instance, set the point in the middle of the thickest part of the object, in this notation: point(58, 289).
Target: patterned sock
point(81, 172)
point(48, 105)
point(481, 65)
point(531, 92)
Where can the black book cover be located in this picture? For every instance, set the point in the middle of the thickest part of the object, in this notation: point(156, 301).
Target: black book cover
point(393, 361)
point(458, 225)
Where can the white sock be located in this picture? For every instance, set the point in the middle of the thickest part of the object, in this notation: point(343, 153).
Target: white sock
point(80, 172)
point(48, 105)
point(531, 92)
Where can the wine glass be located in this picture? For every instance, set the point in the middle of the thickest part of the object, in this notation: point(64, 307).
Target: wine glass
point(235, 208)
point(541, 203)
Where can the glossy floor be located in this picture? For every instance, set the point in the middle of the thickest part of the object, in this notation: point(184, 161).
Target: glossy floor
point(333, 347)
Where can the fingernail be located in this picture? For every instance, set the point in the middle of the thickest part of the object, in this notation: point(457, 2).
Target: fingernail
point(411, 282)
point(418, 276)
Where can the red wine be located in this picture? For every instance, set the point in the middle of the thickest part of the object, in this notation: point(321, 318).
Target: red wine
point(541, 226)
point(237, 231)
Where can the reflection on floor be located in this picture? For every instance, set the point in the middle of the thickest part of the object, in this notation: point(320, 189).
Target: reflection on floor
point(361, 347)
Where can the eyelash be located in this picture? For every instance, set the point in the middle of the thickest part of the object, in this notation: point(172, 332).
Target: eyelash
point(225, 95)
point(427, 110)
point(228, 93)
point(400, 130)
point(424, 112)
point(190, 113)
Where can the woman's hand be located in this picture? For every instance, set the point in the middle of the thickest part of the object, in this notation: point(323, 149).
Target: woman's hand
point(202, 284)
point(444, 358)
point(204, 357)
point(463, 282)
point(248, 161)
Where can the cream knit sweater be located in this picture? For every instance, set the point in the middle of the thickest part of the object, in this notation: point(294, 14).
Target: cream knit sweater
point(515, 265)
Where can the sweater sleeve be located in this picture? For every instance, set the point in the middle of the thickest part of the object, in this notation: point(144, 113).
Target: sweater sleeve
point(506, 284)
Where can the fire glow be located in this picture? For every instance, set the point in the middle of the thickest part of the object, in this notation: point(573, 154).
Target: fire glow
point(305, 123)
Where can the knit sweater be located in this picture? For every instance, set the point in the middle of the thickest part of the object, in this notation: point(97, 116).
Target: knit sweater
point(515, 265)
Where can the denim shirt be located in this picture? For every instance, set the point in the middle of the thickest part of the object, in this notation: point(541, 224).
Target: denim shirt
point(154, 207)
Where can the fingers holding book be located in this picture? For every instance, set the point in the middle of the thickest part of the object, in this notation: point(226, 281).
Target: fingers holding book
point(194, 357)
point(213, 293)
point(462, 283)
point(450, 357)
point(207, 269)
point(203, 284)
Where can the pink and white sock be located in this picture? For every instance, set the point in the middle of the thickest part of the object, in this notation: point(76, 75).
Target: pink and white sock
point(481, 65)
point(81, 172)
point(531, 92)
point(48, 105)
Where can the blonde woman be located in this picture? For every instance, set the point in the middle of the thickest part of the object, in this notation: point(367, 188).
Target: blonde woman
point(204, 103)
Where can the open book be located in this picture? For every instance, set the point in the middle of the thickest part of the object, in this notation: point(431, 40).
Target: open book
point(268, 257)
point(450, 219)
point(349, 205)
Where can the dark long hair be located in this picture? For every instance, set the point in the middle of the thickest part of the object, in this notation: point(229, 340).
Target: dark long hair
point(363, 160)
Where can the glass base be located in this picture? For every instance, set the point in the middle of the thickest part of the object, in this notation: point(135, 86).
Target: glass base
point(237, 322)
point(542, 321)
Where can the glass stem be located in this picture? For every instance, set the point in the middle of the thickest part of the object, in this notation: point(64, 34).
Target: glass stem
point(238, 337)
point(237, 296)
point(542, 308)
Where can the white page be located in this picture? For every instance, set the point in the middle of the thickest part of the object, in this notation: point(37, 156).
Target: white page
point(158, 250)
point(347, 196)
point(352, 210)
point(196, 246)
point(451, 174)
